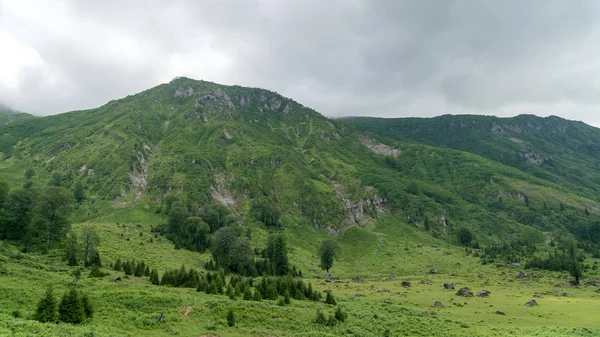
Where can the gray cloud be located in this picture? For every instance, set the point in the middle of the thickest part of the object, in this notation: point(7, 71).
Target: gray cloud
point(357, 57)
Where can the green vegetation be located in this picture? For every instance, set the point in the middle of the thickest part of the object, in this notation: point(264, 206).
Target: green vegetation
point(195, 208)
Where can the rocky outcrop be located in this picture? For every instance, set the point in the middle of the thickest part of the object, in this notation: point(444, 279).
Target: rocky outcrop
point(221, 193)
point(531, 157)
point(216, 102)
point(184, 92)
point(357, 210)
point(380, 148)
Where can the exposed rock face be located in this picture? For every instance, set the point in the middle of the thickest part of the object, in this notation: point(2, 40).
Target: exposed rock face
point(217, 101)
point(139, 177)
point(531, 157)
point(358, 209)
point(182, 92)
point(221, 193)
point(380, 148)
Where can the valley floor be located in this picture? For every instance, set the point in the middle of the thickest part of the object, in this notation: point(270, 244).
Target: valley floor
point(369, 287)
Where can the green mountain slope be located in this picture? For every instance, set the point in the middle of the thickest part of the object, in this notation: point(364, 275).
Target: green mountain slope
point(202, 142)
point(554, 149)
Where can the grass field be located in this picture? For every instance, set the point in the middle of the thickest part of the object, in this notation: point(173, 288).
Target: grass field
point(382, 254)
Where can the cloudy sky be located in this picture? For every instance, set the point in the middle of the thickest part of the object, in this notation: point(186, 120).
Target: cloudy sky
point(388, 58)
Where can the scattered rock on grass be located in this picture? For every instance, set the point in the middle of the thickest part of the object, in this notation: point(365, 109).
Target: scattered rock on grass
point(531, 303)
point(500, 313)
point(433, 271)
point(391, 278)
point(358, 279)
point(437, 304)
point(449, 286)
point(521, 275)
point(406, 283)
point(466, 292)
point(484, 293)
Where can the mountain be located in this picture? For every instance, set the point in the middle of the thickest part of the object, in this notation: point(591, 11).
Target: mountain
point(396, 194)
point(202, 142)
point(8, 115)
point(552, 148)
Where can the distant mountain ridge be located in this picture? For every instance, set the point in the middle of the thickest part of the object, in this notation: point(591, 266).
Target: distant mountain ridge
point(552, 148)
point(8, 115)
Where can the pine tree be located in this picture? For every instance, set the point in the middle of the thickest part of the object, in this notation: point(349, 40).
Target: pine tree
point(71, 308)
point(46, 310)
point(340, 315)
point(88, 310)
point(95, 260)
point(230, 318)
point(329, 299)
point(78, 191)
point(154, 277)
point(118, 265)
point(247, 294)
point(139, 270)
point(257, 297)
point(72, 250)
point(128, 268)
point(286, 299)
point(320, 319)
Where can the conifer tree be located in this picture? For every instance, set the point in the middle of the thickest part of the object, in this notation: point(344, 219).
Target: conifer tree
point(118, 265)
point(320, 319)
point(340, 315)
point(139, 270)
point(72, 250)
point(88, 310)
point(71, 308)
point(154, 277)
point(230, 318)
point(247, 294)
point(257, 297)
point(46, 309)
point(329, 299)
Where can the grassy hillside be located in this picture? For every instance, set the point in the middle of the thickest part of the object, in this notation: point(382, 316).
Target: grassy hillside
point(395, 204)
point(551, 148)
